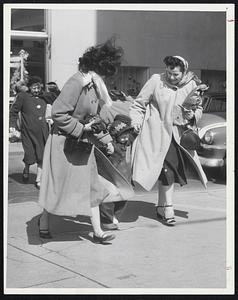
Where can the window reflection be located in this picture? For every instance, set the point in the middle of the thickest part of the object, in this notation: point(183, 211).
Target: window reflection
point(36, 61)
point(28, 19)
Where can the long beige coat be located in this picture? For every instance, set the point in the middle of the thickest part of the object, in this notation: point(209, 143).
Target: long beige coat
point(154, 110)
point(72, 182)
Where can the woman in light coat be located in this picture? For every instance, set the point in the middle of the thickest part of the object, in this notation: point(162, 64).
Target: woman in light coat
point(158, 116)
point(76, 177)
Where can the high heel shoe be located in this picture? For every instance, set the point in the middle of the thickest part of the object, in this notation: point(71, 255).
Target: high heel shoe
point(166, 221)
point(103, 239)
point(43, 233)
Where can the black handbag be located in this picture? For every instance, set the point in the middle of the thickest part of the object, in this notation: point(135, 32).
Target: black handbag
point(72, 144)
point(190, 140)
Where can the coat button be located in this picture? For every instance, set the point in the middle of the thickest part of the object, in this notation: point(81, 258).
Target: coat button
point(40, 118)
point(38, 106)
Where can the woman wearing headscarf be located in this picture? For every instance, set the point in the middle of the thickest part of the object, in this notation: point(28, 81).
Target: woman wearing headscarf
point(76, 177)
point(160, 117)
point(34, 129)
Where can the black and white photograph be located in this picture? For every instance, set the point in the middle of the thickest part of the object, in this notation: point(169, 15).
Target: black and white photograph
point(118, 148)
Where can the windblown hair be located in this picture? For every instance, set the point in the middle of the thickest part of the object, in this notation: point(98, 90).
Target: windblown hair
point(173, 62)
point(104, 59)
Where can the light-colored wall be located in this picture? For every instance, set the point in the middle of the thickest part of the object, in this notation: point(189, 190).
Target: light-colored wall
point(72, 31)
point(147, 37)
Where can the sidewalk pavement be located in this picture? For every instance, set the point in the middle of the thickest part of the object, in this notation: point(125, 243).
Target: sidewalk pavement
point(145, 254)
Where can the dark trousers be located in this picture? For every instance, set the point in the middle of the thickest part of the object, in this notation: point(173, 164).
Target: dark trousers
point(108, 210)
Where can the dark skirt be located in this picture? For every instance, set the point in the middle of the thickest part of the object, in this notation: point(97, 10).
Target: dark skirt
point(173, 170)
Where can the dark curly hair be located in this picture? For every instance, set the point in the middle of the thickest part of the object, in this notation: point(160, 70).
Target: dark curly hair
point(104, 59)
point(174, 62)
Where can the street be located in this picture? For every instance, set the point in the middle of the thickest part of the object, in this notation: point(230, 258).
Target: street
point(145, 254)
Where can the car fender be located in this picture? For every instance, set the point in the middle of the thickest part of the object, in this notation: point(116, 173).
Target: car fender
point(203, 130)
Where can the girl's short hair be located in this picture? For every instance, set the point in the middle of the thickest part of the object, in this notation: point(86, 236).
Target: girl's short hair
point(173, 62)
point(104, 59)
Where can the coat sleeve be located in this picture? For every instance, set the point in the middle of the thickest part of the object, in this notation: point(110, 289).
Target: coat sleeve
point(64, 106)
point(15, 109)
point(199, 109)
point(138, 108)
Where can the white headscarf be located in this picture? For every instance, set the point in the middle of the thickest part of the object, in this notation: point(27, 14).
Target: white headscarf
point(185, 63)
point(187, 75)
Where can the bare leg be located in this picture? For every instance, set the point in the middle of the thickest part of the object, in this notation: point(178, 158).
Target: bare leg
point(165, 201)
point(95, 220)
point(38, 174)
point(99, 235)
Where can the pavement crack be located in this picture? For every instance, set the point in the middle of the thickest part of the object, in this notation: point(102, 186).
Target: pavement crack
point(58, 265)
point(53, 281)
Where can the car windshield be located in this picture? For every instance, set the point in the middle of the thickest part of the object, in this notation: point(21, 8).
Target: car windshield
point(214, 104)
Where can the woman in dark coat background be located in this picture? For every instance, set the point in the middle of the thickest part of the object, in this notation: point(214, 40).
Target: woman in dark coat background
point(34, 128)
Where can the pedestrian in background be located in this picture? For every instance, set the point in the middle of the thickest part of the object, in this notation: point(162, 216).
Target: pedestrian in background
point(71, 182)
point(52, 92)
point(34, 129)
point(157, 153)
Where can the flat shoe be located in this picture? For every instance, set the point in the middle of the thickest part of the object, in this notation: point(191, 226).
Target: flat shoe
point(110, 226)
point(103, 239)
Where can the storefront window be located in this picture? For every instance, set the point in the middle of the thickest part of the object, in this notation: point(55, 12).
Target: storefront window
point(28, 46)
point(35, 63)
point(128, 79)
point(28, 19)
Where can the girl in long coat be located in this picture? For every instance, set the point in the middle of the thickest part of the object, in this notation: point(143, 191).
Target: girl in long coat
point(34, 128)
point(158, 115)
point(76, 178)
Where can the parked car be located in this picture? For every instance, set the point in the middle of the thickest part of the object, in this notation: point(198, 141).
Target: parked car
point(212, 131)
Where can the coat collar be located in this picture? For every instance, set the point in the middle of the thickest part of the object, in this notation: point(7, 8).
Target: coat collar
point(188, 76)
point(99, 85)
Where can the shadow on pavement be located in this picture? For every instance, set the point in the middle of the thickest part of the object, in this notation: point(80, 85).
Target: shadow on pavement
point(135, 209)
point(18, 177)
point(61, 228)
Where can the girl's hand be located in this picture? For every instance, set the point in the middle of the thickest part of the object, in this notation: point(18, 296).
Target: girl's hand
point(137, 127)
point(110, 148)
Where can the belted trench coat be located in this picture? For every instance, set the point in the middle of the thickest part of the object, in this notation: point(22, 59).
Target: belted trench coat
point(154, 111)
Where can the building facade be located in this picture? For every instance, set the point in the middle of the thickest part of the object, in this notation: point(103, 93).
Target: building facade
point(56, 38)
